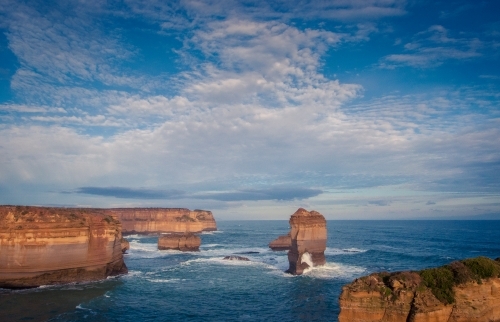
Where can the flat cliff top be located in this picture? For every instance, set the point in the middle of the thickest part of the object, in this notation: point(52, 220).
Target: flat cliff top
point(441, 281)
point(20, 217)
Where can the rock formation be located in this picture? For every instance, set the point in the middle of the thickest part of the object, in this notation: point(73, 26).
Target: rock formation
point(164, 220)
point(281, 243)
point(236, 258)
point(308, 236)
point(462, 291)
point(125, 245)
point(42, 246)
point(186, 242)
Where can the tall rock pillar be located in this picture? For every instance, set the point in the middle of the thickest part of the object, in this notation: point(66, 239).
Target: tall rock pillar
point(308, 234)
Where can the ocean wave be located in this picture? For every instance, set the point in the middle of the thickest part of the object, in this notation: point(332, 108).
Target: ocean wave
point(212, 232)
point(334, 270)
point(167, 280)
point(343, 251)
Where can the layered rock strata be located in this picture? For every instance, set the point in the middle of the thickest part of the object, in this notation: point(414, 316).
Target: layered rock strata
point(164, 220)
point(186, 242)
point(281, 243)
point(43, 246)
point(308, 241)
point(462, 291)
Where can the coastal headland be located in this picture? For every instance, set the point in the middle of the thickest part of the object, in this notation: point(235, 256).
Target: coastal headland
point(163, 220)
point(462, 291)
point(44, 246)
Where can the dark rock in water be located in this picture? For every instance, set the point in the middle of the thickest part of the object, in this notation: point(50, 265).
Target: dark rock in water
point(244, 253)
point(236, 258)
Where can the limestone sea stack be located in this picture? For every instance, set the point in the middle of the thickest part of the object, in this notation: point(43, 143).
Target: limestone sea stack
point(281, 243)
point(186, 242)
point(308, 236)
point(462, 291)
point(164, 220)
point(44, 246)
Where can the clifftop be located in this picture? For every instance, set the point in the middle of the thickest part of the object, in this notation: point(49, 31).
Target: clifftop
point(467, 290)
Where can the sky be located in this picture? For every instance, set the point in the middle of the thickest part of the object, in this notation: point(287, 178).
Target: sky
point(358, 109)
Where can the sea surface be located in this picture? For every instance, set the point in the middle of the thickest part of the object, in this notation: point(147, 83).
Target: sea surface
point(200, 286)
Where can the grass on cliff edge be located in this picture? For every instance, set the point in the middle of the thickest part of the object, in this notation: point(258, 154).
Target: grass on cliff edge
point(442, 279)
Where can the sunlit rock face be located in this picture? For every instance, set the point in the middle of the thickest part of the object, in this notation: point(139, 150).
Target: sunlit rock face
point(186, 242)
point(43, 246)
point(308, 241)
point(281, 243)
point(164, 220)
point(408, 297)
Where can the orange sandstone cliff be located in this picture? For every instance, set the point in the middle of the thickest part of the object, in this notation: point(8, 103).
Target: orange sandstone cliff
point(164, 220)
point(281, 243)
point(308, 240)
point(42, 246)
point(462, 291)
point(186, 242)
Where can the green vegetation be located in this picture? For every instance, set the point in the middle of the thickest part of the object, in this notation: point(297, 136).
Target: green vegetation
point(442, 279)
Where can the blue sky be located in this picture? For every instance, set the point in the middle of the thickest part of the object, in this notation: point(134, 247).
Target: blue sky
point(359, 109)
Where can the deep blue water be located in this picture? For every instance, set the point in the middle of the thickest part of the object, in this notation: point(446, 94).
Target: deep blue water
point(175, 286)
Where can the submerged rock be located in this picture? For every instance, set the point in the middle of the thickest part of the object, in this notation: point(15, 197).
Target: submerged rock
point(308, 241)
point(186, 242)
point(281, 243)
point(462, 291)
point(236, 258)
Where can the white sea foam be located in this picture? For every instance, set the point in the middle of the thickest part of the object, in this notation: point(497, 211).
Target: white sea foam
point(162, 280)
point(210, 245)
point(344, 251)
point(212, 232)
point(334, 270)
point(306, 258)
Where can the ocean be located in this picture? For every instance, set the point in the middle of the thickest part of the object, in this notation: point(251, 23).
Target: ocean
point(201, 286)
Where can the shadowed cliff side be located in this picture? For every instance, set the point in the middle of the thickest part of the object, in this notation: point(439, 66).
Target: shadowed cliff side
point(164, 220)
point(43, 246)
point(462, 291)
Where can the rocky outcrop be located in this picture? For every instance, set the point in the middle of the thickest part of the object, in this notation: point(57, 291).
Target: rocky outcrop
point(308, 241)
point(281, 243)
point(125, 245)
point(236, 258)
point(186, 242)
point(43, 246)
point(164, 220)
point(462, 291)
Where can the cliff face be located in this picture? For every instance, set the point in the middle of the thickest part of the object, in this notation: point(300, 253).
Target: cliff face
point(163, 220)
point(186, 242)
point(281, 243)
point(42, 246)
point(462, 291)
point(308, 241)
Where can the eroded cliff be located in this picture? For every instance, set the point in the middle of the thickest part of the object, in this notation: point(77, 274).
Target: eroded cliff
point(164, 220)
point(462, 291)
point(308, 240)
point(42, 246)
point(281, 243)
point(186, 242)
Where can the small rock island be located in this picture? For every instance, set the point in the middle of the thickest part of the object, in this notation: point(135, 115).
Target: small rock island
point(306, 241)
point(186, 242)
point(462, 291)
point(44, 246)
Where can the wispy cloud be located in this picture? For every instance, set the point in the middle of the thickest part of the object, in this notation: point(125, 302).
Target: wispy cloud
point(432, 48)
